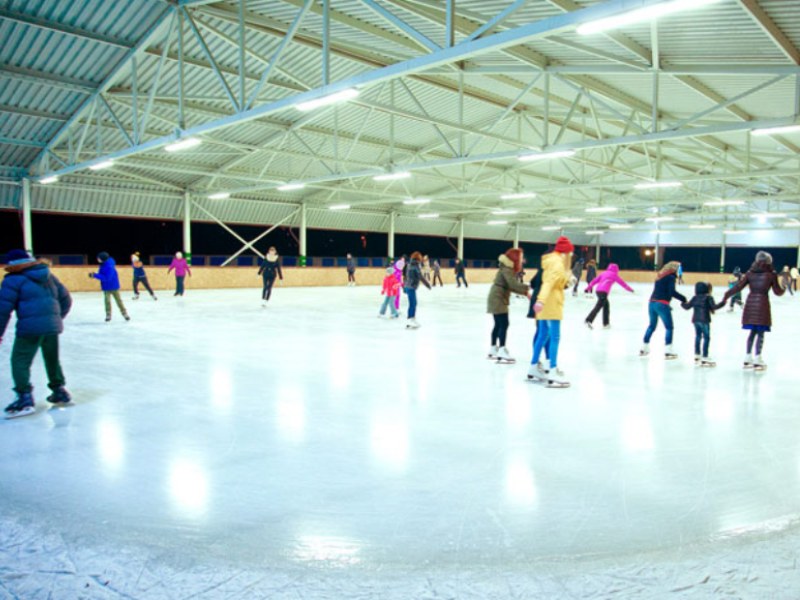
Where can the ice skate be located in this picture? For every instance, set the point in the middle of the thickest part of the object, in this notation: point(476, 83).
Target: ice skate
point(154, 297)
point(135, 297)
point(645, 351)
point(758, 364)
point(503, 357)
point(59, 396)
point(557, 379)
point(606, 326)
point(589, 324)
point(108, 318)
point(412, 324)
point(492, 354)
point(669, 353)
point(21, 407)
point(707, 361)
point(127, 317)
point(748, 362)
point(538, 372)
point(697, 359)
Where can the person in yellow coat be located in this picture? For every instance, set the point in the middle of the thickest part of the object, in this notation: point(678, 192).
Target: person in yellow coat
point(549, 309)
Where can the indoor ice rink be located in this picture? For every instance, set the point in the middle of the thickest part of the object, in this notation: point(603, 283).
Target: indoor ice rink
point(221, 447)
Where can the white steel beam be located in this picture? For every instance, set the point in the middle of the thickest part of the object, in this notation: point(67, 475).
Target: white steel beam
point(759, 15)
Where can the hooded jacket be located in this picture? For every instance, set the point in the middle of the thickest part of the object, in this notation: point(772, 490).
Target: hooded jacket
point(107, 275)
point(40, 299)
point(414, 276)
point(702, 303)
point(555, 277)
point(761, 277)
point(608, 278)
point(504, 283)
point(181, 267)
point(270, 267)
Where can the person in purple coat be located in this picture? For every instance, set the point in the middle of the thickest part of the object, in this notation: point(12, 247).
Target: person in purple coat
point(181, 269)
point(109, 283)
point(603, 283)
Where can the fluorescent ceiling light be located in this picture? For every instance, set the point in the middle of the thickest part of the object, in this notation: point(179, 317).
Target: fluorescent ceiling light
point(569, 220)
point(339, 207)
point(714, 203)
point(497, 222)
point(659, 219)
point(620, 226)
point(518, 196)
point(429, 216)
point(504, 212)
point(342, 96)
point(219, 196)
point(767, 215)
point(102, 165)
point(184, 144)
point(547, 155)
point(417, 201)
point(647, 13)
point(392, 176)
point(733, 232)
point(659, 231)
point(46, 180)
point(651, 185)
point(551, 228)
point(602, 209)
point(594, 232)
point(702, 226)
point(776, 130)
point(792, 224)
point(288, 187)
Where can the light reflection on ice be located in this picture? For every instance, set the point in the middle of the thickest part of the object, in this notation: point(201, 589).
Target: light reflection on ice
point(188, 485)
point(334, 551)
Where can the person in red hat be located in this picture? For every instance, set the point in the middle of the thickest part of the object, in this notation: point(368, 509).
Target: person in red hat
point(549, 309)
point(505, 282)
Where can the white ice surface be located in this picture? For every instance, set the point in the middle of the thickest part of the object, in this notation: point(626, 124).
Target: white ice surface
point(218, 449)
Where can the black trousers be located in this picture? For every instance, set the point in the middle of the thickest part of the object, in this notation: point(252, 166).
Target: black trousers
point(144, 282)
point(437, 275)
point(500, 329)
point(266, 292)
point(602, 302)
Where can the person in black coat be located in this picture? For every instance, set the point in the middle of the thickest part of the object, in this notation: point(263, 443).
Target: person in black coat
point(41, 302)
point(703, 306)
point(659, 308)
point(269, 269)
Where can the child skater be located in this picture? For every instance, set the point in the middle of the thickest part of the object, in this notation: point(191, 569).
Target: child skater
point(703, 305)
point(351, 270)
point(549, 309)
point(604, 283)
point(390, 289)
point(270, 267)
point(659, 308)
point(591, 273)
point(399, 274)
point(505, 282)
point(786, 280)
point(181, 269)
point(139, 276)
point(41, 303)
point(732, 281)
point(109, 283)
point(412, 280)
point(757, 316)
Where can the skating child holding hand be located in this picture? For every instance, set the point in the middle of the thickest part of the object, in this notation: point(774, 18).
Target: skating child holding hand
point(390, 289)
point(703, 306)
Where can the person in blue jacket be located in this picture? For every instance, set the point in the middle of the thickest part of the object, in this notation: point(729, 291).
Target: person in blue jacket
point(41, 302)
point(109, 283)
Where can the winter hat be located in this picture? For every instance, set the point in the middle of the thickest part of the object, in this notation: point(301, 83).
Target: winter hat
point(102, 257)
point(515, 256)
point(701, 287)
point(17, 257)
point(389, 271)
point(563, 245)
point(764, 257)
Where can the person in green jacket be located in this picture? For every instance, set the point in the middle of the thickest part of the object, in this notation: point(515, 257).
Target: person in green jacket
point(504, 283)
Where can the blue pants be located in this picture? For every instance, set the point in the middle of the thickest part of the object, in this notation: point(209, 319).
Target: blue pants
point(179, 285)
point(412, 302)
point(548, 335)
point(702, 332)
point(388, 301)
point(658, 311)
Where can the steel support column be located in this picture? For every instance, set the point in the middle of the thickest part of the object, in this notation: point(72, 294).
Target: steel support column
point(461, 239)
point(187, 226)
point(390, 249)
point(516, 235)
point(27, 231)
point(657, 253)
point(303, 234)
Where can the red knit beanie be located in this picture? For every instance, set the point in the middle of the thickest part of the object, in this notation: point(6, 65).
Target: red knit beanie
point(563, 245)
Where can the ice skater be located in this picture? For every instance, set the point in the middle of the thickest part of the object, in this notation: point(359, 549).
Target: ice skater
point(536, 285)
point(400, 274)
point(735, 277)
point(390, 289)
point(461, 274)
point(549, 309)
point(604, 282)
point(413, 277)
point(591, 273)
point(786, 280)
point(41, 302)
point(659, 308)
point(795, 276)
point(703, 306)
point(437, 273)
point(181, 270)
point(505, 282)
point(577, 269)
point(139, 276)
point(269, 269)
point(109, 283)
point(426, 268)
point(757, 315)
point(351, 270)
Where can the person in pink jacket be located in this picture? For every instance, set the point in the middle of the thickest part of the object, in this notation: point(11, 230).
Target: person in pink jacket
point(603, 283)
point(181, 269)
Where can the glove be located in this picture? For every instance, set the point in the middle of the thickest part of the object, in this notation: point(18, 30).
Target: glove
point(538, 307)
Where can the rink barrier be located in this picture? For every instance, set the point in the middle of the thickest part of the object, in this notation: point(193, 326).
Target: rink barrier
point(76, 278)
